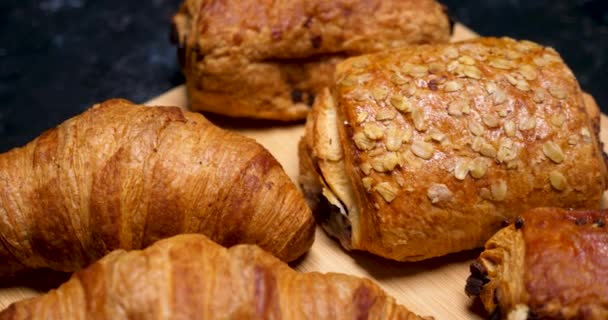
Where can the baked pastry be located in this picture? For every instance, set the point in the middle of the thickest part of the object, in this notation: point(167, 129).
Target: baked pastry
point(123, 176)
point(191, 277)
point(424, 151)
point(549, 263)
point(268, 59)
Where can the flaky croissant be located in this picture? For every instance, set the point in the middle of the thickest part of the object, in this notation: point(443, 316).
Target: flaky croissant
point(548, 264)
point(191, 277)
point(424, 151)
point(124, 176)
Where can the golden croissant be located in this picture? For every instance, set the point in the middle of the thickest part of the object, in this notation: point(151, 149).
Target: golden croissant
point(191, 277)
point(549, 263)
point(124, 176)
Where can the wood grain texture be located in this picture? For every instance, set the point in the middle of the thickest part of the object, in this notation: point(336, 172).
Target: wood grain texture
point(433, 287)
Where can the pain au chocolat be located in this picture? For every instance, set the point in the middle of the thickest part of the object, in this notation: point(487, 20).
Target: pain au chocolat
point(424, 151)
point(268, 59)
point(550, 263)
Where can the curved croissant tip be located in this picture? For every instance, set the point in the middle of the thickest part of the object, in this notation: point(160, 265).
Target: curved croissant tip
point(301, 241)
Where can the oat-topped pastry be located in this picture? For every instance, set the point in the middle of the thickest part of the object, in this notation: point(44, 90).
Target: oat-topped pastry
point(548, 264)
point(269, 59)
point(424, 151)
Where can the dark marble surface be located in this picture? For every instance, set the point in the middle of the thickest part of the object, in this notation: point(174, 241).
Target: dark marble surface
point(577, 29)
point(58, 57)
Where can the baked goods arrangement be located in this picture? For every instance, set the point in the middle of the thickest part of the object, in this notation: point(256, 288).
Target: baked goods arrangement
point(413, 148)
point(549, 263)
point(191, 277)
point(121, 176)
point(269, 59)
point(424, 151)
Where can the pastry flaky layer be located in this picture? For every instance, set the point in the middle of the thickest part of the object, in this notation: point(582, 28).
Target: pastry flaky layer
point(549, 263)
point(419, 152)
point(191, 277)
point(121, 176)
point(269, 59)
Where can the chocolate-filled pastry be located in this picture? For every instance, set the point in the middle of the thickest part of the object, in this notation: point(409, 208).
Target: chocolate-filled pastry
point(419, 152)
point(549, 263)
point(121, 176)
point(269, 59)
point(191, 277)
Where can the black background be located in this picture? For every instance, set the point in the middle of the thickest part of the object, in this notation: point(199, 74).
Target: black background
point(58, 57)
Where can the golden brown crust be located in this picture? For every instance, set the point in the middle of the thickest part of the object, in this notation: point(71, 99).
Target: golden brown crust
point(124, 176)
point(566, 270)
point(560, 261)
point(190, 277)
point(497, 277)
point(441, 143)
point(269, 59)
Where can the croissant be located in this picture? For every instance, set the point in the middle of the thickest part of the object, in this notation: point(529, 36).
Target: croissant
point(124, 176)
point(549, 263)
point(191, 277)
point(424, 151)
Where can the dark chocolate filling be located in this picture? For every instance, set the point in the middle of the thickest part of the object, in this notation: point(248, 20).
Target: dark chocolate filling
point(334, 222)
point(519, 223)
point(476, 280)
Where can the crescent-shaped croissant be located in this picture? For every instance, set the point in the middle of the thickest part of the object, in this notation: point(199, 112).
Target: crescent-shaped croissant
point(124, 176)
point(190, 277)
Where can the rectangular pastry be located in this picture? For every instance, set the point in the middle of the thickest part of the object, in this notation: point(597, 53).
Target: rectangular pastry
point(424, 151)
point(268, 59)
point(549, 263)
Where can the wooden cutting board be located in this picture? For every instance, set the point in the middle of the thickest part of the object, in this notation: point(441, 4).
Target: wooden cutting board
point(433, 287)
